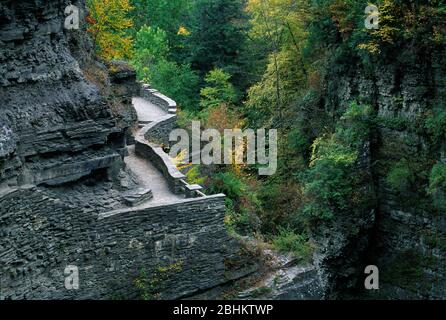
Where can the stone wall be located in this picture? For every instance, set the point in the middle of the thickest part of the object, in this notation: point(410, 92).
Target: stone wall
point(159, 130)
point(60, 146)
point(54, 117)
point(403, 235)
point(111, 250)
point(154, 136)
point(156, 155)
point(158, 99)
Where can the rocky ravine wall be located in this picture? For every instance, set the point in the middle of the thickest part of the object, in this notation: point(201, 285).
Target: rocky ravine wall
point(62, 177)
point(44, 236)
point(58, 128)
point(406, 239)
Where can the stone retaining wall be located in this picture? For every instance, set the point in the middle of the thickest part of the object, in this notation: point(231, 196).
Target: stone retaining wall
point(40, 236)
point(65, 131)
point(158, 99)
point(159, 130)
point(156, 155)
point(152, 135)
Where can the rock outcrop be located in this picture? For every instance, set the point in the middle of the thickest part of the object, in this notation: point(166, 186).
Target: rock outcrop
point(58, 127)
point(402, 233)
point(67, 199)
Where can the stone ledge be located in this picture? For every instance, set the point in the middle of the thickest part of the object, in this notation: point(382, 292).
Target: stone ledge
point(183, 203)
point(159, 130)
point(159, 99)
point(162, 162)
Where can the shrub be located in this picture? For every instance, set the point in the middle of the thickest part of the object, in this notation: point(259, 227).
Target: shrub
point(151, 61)
point(174, 80)
point(194, 177)
point(236, 221)
point(328, 184)
point(400, 176)
point(437, 185)
point(357, 121)
point(288, 241)
point(436, 123)
point(218, 90)
point(229, 184)
point(150, 45)
point(298, 141)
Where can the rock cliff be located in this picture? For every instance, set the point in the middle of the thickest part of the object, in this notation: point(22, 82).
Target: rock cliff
point(401, 232)
point(56, 126)
point(65, 123)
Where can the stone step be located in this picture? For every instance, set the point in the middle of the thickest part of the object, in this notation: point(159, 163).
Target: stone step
point(136, 197)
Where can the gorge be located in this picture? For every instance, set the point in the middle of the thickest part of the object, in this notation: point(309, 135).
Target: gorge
point(85, 178)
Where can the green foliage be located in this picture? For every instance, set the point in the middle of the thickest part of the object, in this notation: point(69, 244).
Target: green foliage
point(236, 221)
point(150, 46)
point(400, 176)
point(194, 176)
point(298, 141)
point(218, 90)
point(328, 184)
point(174, 80)
point(434, 239)
point(395, 123)
point(357, 121)
point(436, 123)
point(229, 184)
point(279, 87)
point(217, 35)
point(152, 63)
point(152, 285)
point(167, 15)
point(291, 50)
point(407, 270)
point(437, 185)
point(288, 241)
point(420, 23)
point(110, 23)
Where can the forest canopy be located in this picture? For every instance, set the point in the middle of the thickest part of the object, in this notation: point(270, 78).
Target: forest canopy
point(266, 63)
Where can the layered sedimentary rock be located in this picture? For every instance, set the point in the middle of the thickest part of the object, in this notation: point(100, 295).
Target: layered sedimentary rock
point(56, 125)
point(64, 188)
point(401, 232)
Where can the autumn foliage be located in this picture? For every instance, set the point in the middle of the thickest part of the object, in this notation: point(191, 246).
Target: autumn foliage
point(109, 23)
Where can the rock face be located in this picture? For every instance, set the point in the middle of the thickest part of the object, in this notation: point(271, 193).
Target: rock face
point(58, 128)
point(402, 233)
point(64, 120)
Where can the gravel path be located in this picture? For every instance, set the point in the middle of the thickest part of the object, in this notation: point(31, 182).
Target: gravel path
point(147, 111)
point(149, 176)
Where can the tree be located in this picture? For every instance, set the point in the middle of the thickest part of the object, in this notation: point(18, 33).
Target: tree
point(281, 23)
point(177, 81)
point(153, 66)
point(217, 34)
point(168, 15)
point(150, 46)
point(110, 24)
point(218, 90)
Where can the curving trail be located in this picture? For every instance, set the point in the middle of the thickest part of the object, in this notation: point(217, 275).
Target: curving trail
point(146, 172)
point(147, 111)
